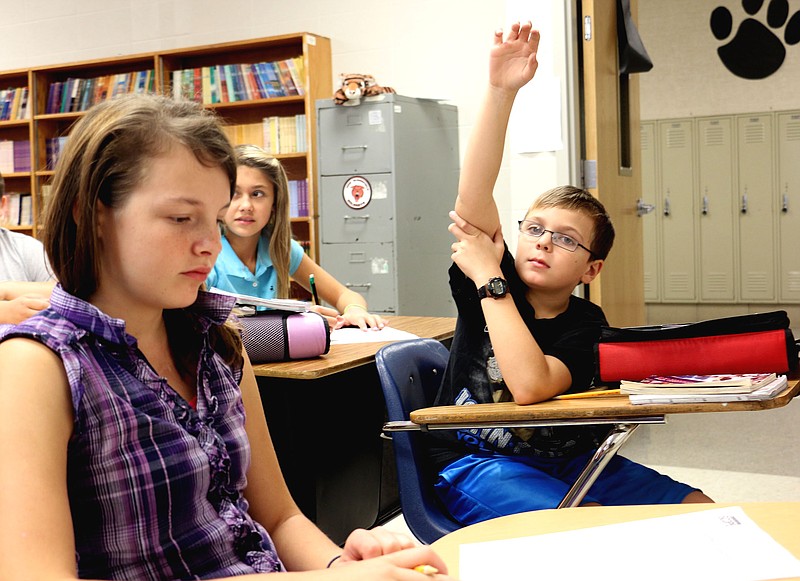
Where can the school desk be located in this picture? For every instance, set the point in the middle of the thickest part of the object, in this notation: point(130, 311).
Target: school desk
point(779, 519)
point(615, 410)
point(325, 416)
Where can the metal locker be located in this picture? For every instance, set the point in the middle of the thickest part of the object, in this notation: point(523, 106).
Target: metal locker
point(717, 210)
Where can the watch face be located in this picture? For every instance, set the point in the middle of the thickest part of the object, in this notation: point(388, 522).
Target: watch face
point(497, 287)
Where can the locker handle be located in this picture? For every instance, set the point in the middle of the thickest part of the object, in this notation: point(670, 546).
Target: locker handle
point(744, 203)
point(642, 208)
point(705, 205)
point(346, 147)
point(666, 207)
point(349, 217)
point(785, 204)
point(358, 284)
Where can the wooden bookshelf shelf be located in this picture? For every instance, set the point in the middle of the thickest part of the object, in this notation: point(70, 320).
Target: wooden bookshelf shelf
point(43, 127)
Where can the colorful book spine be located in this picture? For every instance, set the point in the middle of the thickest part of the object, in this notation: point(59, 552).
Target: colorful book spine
point(6, 157)
point(22, 155)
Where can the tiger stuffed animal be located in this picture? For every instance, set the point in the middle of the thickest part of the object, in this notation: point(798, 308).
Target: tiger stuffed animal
point(356, 86)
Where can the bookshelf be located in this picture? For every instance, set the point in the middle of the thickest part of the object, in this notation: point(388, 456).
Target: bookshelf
point(16, 137)
point(52, 116)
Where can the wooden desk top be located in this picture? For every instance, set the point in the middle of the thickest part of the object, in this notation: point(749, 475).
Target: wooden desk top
point(347, 356)
point(600, 407)
point(779, 519)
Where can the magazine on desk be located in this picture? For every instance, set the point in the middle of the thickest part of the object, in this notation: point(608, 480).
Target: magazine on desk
point(768, 391)
point(685, 384)
point(292, 305)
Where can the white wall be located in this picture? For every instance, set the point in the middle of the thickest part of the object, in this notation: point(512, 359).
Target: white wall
point(421, 48)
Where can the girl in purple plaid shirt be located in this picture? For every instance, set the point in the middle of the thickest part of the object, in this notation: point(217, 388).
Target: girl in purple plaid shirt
point(124, 450)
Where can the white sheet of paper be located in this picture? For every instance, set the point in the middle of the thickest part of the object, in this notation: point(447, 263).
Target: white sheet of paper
point(721, 543)
point(535, 123)
point(356, 335)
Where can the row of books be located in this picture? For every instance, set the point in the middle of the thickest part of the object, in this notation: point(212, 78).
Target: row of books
point(76, 94)
point(240, 82)
point(298, 198)
point(15, 156)
point(719, 388)
point(16, 209)
point(285, 134)
point(275, 134)
point(14, 104)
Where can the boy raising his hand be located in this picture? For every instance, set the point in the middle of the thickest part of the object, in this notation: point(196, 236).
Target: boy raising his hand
point(521, 333)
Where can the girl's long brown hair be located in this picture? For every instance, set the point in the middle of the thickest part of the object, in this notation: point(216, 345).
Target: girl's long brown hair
point(106, 156)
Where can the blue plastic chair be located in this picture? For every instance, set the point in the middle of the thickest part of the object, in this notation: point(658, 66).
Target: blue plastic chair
point(410, 374)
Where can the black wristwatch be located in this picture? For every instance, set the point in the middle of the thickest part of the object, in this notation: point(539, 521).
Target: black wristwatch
point(496, 288)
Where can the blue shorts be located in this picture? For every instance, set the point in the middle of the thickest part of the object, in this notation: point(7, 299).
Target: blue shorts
point(479, 487)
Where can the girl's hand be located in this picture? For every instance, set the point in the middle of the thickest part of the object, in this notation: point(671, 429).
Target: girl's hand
point(512, 62)
point(355, 315)
point(335, 320)
point(388, 556)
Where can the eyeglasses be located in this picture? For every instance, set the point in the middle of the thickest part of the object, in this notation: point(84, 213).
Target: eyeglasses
point(535, 230)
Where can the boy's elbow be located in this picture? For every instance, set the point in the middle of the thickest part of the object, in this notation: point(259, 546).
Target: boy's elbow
point(529, 395)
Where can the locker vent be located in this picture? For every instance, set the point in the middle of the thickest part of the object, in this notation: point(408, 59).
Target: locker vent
point(793, 281)
point(645, 139)
point(649, 284)
point(755, 133)
point(678, 284)
point(756, 283)
point(793, 131)
point(676, 137)
point(717, 283)
point(714, 135)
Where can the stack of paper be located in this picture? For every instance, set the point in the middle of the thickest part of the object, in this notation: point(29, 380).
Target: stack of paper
point(278, 304)
point(722, 543)
point(683, 384)
point(767, 391)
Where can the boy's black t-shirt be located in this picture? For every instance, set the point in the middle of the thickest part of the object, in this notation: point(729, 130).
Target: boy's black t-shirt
point(473, 377)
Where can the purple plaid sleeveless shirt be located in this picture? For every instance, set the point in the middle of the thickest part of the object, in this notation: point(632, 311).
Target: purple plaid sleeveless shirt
point(155, 487)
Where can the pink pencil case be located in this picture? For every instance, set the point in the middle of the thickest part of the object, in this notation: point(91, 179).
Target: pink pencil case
point(284, 335)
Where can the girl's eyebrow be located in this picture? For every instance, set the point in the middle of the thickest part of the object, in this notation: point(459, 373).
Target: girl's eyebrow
point(182, 200)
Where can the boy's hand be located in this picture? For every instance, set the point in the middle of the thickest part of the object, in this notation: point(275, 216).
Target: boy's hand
point(18, 309)
point(476, 254)
point(513, 63)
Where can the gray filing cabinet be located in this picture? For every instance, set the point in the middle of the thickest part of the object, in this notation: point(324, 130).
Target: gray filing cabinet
point(388, 176)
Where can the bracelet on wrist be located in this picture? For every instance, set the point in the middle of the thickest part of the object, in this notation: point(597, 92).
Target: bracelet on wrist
point(352, 305)
point(332, 561)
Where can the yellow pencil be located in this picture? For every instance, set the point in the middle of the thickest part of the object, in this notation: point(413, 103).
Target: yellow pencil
point(584, 394)
point(426, 569)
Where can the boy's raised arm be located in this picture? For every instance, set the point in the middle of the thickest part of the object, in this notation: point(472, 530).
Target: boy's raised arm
point(512, 64)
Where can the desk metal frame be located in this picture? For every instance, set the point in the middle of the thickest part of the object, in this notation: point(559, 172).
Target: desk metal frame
point(622, 430)
point(615, 410)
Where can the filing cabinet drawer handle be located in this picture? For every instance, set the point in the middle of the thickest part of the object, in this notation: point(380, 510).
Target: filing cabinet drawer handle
point(346, 147)
point(349, 217)
point(358, 284)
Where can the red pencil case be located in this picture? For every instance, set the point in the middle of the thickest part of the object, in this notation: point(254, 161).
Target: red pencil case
point(753, 343)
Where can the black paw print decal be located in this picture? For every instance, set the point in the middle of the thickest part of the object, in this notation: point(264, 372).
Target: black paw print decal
point(756, 51)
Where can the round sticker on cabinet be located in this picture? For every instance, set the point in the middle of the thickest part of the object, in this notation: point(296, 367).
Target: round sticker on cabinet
point(357, 192)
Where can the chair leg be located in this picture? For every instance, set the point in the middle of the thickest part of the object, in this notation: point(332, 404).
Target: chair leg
point(615, 439)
